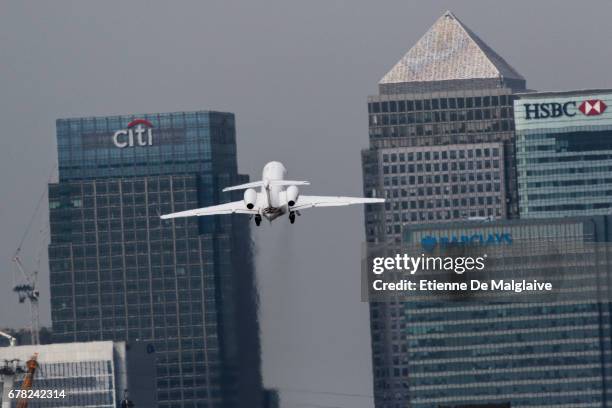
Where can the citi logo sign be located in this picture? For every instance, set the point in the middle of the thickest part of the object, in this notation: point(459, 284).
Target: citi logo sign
point(138, 133)
point(591, 107)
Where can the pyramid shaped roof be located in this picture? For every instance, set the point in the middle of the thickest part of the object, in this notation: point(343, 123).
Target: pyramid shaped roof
point(450, 51)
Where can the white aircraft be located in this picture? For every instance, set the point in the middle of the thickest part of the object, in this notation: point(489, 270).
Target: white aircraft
point(276, 197)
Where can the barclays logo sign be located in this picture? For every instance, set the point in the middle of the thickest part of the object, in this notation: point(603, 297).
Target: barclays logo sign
point(429, 242)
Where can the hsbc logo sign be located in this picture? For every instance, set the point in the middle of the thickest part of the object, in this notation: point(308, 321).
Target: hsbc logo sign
point(591, 107)
point(138, 133)
point(549, 110)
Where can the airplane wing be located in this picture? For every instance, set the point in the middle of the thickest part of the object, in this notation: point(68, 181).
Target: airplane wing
point(305, 201)
point(236, 207)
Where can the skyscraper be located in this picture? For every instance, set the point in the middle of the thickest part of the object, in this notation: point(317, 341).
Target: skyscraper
point(441, 130)
point(441, 148)
point(120, 273)
point(525, 349)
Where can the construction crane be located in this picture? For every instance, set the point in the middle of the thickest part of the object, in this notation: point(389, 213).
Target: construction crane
point(29, 291)
point(28, 380)
point(11, 339)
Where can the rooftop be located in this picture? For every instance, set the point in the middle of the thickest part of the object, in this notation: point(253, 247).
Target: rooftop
point(577, 92)
point(450, 51)
point(62, 352)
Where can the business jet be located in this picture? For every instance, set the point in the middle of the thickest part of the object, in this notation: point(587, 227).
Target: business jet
point(277, 196)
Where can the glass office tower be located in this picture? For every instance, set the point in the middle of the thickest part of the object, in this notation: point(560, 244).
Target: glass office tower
point(118, 272)
point(520, 349)
point(564, 153)
point(448, 99)
point(441, 148)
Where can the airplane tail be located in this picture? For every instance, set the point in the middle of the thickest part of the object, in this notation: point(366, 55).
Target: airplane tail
point(260, 183)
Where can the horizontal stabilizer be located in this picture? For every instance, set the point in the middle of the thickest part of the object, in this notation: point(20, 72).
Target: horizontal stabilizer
point(253, 184)
point(289, 183)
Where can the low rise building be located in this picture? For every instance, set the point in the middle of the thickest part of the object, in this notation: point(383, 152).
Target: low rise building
point(75, 375)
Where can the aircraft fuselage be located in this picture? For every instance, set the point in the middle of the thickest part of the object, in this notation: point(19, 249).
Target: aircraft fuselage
point(274, 204)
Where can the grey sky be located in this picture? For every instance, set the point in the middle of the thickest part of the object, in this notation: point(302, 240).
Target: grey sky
point(297, 75)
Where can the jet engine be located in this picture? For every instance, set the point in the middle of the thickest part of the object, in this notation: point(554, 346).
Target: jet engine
point(292, 195)
point(250, 197)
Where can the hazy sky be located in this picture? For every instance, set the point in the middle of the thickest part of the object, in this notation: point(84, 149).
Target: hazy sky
point(297, 75)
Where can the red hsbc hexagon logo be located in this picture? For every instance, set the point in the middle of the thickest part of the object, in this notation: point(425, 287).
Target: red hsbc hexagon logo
point(593, 107)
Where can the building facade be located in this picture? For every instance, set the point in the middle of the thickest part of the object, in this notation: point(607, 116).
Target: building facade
point(120, 273)
point(441, 148)
point(93, 374)
point(564, 153)
point(525, 349)
point(448, 99)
